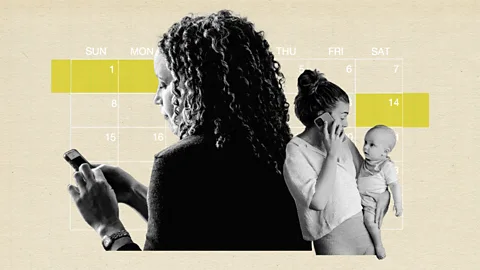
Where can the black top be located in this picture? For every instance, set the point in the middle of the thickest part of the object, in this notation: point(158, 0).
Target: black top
point(201, 198)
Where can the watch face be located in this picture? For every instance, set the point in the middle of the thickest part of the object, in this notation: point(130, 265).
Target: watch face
point(107, 242)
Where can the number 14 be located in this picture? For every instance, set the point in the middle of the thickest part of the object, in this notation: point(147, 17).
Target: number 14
point(394, 102)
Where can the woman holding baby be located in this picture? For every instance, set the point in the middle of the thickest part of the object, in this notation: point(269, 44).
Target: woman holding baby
point(320, 171)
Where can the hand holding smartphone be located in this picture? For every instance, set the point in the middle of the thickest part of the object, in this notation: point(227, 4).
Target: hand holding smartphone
point(75, 159)
point(326, 117)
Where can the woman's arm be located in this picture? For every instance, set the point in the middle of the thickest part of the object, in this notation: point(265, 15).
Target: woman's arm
point(333, 142)
point(127, 189)
point(383, 201)
point(163, 200)
point(124, 243)
point(154, 210)
point(97, 203)
point(138, 200)
point(357, 157)
point(324, 183)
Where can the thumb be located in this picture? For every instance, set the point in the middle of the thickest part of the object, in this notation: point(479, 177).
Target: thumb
point(74, 192)
point(95, 165)
point(99, 176)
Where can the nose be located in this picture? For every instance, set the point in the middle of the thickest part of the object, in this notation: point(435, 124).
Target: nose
point(157, 99)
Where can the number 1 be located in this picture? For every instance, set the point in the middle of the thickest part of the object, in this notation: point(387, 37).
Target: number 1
point(111, 68)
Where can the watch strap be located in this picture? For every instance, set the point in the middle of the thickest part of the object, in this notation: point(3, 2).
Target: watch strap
point(108, 240)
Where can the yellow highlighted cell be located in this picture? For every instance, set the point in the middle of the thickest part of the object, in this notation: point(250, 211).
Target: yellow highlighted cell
point(374, 109)
point(137, 76)
point(60, 76)
point(416, 110)
point(94, 76)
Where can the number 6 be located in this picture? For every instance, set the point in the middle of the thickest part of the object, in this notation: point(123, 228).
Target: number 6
point(349, 69)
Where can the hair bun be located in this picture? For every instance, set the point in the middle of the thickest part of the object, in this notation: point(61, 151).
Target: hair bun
point(309, 80)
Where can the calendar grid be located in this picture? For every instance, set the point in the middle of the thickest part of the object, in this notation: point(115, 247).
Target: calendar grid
point(118, 127)
point(126, 161)
point(70, 144)
point(146, 93)
point(403, 117)
point(355, 95)
point(111, 127)
point(118, 113)
point(346, 59)
point(277, 59)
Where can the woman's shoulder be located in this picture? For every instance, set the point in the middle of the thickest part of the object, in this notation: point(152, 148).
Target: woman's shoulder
point(181, 147)
point(198, 149)
point(174, 159)
point(301, 146)
point(296, 141)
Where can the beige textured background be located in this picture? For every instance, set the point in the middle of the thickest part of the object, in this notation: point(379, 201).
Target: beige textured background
point(438, 41)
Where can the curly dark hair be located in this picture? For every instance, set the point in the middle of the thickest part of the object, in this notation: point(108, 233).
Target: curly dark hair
point(233, 85)
point(316, 94)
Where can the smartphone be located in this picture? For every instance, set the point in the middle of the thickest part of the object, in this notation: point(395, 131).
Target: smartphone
point(319, 121)
point(75, 159)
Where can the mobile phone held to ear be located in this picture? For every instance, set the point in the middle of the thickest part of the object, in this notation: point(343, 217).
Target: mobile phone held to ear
point(75, 159)
point(319, 121)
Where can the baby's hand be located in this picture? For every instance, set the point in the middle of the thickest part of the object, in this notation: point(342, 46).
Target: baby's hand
point(398, 210)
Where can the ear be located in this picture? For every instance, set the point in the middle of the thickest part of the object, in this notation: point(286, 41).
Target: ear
point(387, 150)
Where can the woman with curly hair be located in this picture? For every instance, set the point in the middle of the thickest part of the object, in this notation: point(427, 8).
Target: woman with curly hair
point(221, 186)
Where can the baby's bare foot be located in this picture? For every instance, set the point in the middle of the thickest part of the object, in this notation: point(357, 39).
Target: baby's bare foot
point(380, 252)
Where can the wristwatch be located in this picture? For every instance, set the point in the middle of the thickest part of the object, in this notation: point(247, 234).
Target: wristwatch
point(108, 240)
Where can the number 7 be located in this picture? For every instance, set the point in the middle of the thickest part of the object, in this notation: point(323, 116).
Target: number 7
point(396, 68)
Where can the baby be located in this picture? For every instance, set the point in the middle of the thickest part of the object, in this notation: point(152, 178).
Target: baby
point(378, 172)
